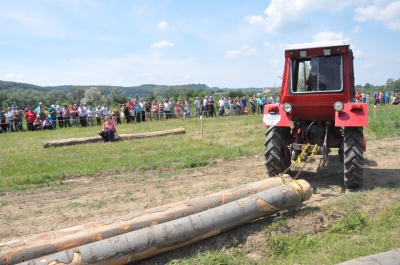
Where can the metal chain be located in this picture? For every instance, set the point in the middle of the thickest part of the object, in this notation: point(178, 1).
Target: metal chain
point(308, 160)
point(298, 161)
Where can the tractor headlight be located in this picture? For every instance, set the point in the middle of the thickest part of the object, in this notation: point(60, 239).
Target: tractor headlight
point(287, 107)
point(338, 106)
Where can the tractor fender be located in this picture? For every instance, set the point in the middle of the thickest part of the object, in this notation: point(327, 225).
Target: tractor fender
point(274, 115)
point(352, 115)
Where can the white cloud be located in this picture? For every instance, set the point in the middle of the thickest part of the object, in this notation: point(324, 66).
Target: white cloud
point(162, 25)
point(149, 76)
point(328, 36)
point(357, 53)
point(121, 80)
point(256, 20)
point(356, 29)
point(267, 44)
point(386, 13)
point(291, 15)
point(367, 65)
point(162, 44)
point(232, 54)
point(244, 50)
point(13, 76)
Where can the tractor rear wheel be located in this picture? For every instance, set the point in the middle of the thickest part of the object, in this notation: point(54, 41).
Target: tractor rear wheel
point(275, 159)
point(353, 156)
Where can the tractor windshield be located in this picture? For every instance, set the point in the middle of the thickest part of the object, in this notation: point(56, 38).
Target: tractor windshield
point(317, 74)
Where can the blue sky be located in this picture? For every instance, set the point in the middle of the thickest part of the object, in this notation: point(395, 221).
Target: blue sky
point(220, 43)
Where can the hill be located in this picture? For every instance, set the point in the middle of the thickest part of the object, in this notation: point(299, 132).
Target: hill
point(130, 91)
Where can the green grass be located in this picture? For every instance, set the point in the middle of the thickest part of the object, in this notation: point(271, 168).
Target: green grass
point(356, 227)
point(385, 122)
point(350, 235)
point(27, 164)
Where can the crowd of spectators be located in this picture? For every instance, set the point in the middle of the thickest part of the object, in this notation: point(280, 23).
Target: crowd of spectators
point(133, 111)
point(378, 98)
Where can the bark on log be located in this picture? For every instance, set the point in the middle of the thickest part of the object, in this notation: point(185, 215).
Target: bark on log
point(73, 141)
point(63, 239)
point(149, 241)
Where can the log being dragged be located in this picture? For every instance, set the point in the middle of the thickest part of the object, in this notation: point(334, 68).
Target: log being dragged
point(149, 241)
point(73, 141)
point(51, 242)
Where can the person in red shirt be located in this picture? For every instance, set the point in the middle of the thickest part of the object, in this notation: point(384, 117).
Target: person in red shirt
point(108, 130)
point(73, 112)
point(358, 97)
point(30, 118)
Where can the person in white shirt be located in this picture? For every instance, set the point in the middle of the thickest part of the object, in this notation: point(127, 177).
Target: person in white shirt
point(221, 106)
point(205, 107)
point(167, 109)
point(197, 106)
point(82, 113)
point(104, 110)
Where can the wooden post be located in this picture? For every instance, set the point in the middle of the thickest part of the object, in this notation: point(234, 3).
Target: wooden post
point(374, 111)
point(201, 126)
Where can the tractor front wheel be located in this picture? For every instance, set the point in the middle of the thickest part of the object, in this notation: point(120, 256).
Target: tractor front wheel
point(353, 156)
point(276, 160)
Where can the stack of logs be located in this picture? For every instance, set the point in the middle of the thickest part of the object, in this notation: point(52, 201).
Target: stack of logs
point(139, 235)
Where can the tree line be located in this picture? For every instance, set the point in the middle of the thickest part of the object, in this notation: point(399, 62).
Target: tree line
point(111, 96)
point(27, 94)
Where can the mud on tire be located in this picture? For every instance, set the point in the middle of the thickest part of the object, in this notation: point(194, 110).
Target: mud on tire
point(274, 150)
point(353, 156)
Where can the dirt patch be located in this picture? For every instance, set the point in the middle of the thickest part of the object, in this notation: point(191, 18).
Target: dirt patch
point(82, 200)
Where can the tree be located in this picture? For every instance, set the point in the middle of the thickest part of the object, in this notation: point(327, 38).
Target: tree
point(92, 96)
point(389, 82)
point(75, 95)
point(54, 97)
point(235, 93)
point(151, 96)
point(117, 96)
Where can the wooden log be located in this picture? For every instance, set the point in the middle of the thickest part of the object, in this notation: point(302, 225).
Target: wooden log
point(149, 241)
point(73, 141)
point(63, 239)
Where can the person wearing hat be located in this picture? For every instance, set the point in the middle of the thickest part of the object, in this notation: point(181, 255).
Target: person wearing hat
point(53, 116)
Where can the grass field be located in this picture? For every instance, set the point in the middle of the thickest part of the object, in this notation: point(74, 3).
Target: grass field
point(359, 221)
point(27, 164)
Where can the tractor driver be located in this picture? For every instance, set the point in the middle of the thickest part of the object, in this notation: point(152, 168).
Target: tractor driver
point(324, 74)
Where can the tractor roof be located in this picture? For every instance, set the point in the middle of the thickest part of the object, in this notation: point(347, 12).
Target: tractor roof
point(317, 44)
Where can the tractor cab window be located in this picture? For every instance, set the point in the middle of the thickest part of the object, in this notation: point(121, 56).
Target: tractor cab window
point(317, 74)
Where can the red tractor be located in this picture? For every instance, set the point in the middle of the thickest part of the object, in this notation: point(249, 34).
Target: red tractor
point(318, 109)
